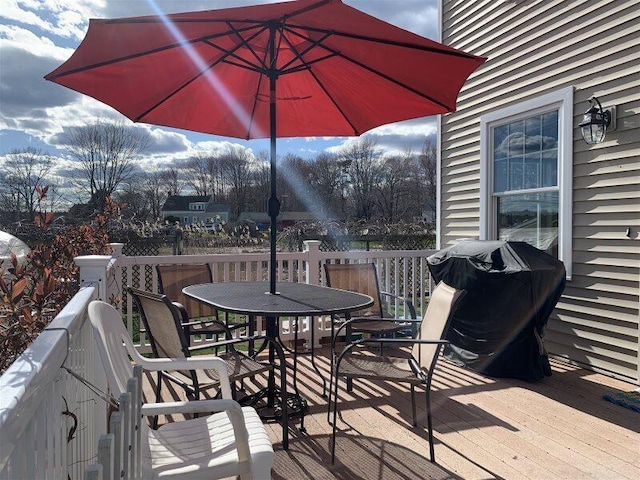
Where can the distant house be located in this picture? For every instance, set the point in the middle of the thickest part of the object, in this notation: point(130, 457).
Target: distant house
point(191, 209)
point(513, 163)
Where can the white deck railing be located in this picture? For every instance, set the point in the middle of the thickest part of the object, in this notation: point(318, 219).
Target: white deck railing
point(401, 272)
point(50, 422)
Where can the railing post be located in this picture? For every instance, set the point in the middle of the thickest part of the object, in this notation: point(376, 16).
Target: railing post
point(117, 276)
point(93, 270)
point(312, 249)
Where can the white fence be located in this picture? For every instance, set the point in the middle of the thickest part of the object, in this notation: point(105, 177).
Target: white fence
point(120, 451)
point(50, 422)
point(401, 272)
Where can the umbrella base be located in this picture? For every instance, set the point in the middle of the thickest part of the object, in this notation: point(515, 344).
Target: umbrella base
point(271, 409)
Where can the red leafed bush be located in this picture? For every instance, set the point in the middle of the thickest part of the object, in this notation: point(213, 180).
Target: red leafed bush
point(34, 291)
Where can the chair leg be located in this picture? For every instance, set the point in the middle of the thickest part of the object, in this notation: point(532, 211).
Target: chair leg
point(413, 406)
point(335, 420)
point(432, 452)
point(158, 398)
point(330, 394)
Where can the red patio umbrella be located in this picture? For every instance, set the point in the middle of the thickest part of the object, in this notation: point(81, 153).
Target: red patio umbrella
point(300, 68)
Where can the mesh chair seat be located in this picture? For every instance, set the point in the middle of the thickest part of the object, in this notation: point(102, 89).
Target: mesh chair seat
point(379, 368)
point(376, 326)
point(239, 367)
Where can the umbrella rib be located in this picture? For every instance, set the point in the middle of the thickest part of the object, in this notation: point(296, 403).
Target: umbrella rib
point(191, 80)
point(320, 84)
point(264, 70)
point(394, 43)
point(179, 44)
point(299, 55)
point(377, 72)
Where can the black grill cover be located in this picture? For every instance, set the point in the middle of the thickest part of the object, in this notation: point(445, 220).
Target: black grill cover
point(512, 288)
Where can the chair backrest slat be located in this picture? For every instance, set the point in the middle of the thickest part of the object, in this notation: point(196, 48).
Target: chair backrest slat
point(174, 277)
point(356, 277)
point(435, 322)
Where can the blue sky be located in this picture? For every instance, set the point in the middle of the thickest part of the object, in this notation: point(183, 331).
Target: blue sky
point(36, 36)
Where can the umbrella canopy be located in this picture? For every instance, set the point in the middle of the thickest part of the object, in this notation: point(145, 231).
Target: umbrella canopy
point(301, 68)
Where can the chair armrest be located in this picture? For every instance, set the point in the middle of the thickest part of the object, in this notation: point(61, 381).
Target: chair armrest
point(190, 363)
point(191, 406)
point(386, 341)
point(405, 341)
point(406, 301)
point(224, 343)
point(356, 320)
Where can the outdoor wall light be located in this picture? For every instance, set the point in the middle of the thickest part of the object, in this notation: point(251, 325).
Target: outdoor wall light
point(596, 122)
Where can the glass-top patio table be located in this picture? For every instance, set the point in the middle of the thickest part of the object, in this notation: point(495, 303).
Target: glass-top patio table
point(291, 300)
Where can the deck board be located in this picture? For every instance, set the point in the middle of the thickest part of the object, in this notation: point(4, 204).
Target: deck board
point(485, 428)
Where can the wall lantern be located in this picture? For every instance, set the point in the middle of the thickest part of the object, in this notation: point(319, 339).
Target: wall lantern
point(596, 122)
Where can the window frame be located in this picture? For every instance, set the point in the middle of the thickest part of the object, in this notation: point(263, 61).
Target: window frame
point(561, 100)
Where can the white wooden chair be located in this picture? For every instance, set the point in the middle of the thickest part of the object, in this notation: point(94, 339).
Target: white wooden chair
point(230, 442)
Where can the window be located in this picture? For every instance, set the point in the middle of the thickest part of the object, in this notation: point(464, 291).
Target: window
point(526, 171)
point(196, 206)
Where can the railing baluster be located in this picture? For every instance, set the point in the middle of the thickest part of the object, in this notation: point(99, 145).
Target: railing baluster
point(134, 386)
point(116, 428)
point(94, 472)
point(125, 409)
point(106, 455)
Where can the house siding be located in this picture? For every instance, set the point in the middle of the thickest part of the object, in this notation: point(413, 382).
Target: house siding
point(535, 48)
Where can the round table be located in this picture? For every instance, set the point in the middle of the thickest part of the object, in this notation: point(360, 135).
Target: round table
point(291, 300)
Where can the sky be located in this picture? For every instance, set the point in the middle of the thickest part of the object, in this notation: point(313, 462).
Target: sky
point(36, 36)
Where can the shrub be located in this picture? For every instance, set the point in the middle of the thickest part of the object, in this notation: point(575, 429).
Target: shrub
point(33, 292)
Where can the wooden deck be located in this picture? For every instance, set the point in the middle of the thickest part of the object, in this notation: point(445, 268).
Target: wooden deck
point(484, 428)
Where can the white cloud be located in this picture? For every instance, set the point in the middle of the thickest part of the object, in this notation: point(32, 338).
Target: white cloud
point(20, 38)
point(63, 18)
point(408, 128)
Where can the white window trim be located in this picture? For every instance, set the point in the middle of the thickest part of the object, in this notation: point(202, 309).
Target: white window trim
point(563, 101)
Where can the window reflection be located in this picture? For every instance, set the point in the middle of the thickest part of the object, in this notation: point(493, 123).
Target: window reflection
point(526, 153)
point(531, 218)
point(525, 158)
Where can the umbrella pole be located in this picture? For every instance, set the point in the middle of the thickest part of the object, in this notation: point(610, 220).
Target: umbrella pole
point(274, 203)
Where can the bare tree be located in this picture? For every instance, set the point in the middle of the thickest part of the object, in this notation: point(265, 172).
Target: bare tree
point(235, 168)
point(327, 178)
point(105, 151)
point(25, 171)
point(427, 163)
point(364, 170)
point(260, 184)
point(202, 175)
point(170, 180)
point(395, 199)
point(293, 183)
point(135, 200)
